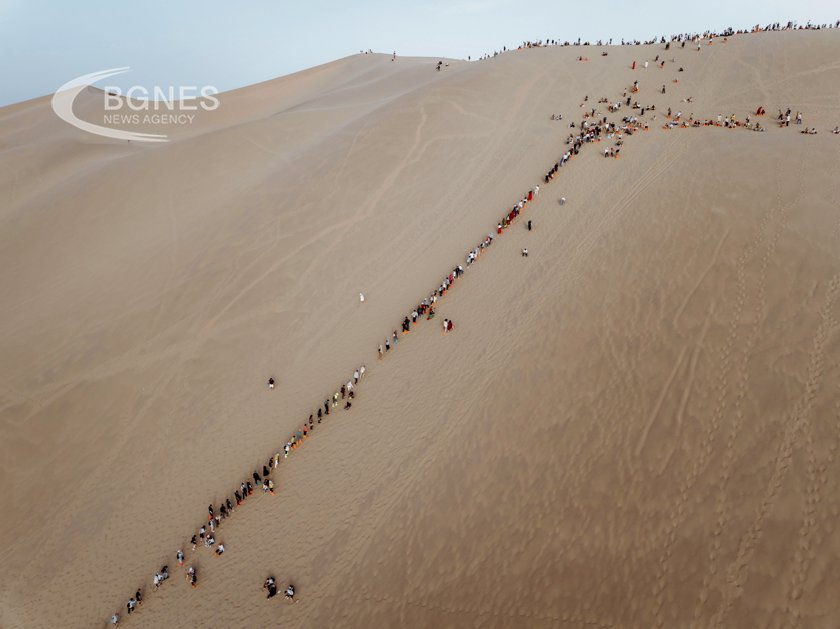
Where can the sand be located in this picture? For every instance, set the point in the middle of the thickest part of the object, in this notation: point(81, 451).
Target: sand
point(637, 425)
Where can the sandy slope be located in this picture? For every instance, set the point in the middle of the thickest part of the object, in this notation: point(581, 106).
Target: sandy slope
point(636, 426)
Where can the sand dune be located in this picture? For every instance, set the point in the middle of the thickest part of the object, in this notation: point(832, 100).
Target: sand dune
point(637, 425)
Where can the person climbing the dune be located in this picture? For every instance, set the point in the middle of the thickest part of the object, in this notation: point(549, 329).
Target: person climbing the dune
point(271, 586)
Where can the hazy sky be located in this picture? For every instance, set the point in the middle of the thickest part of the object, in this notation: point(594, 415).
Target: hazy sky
point(44, 43)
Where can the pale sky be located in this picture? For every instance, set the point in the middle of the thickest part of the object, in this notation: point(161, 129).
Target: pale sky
point(45, 43)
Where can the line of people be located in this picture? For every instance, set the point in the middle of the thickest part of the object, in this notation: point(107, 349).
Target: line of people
point(206, 535)
point(588, 132)
point(677, 121)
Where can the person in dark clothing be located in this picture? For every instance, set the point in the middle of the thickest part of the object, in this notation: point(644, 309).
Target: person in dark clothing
point(271, 586)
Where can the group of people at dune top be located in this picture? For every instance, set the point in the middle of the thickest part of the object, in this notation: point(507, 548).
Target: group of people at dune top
point(593, 127)
point(681, 38)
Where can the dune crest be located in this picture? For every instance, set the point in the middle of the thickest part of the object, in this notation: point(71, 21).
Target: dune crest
point(636, 425)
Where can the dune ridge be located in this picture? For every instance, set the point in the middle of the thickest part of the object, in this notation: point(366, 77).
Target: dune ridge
point(169, 311)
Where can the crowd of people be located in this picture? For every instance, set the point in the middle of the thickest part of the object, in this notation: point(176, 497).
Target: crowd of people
point(680, 38)
point(731, 121)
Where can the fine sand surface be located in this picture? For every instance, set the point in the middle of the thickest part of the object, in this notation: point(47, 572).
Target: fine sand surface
point(636, 426)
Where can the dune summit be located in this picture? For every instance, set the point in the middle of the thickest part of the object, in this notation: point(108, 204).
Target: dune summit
point(635, 425)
